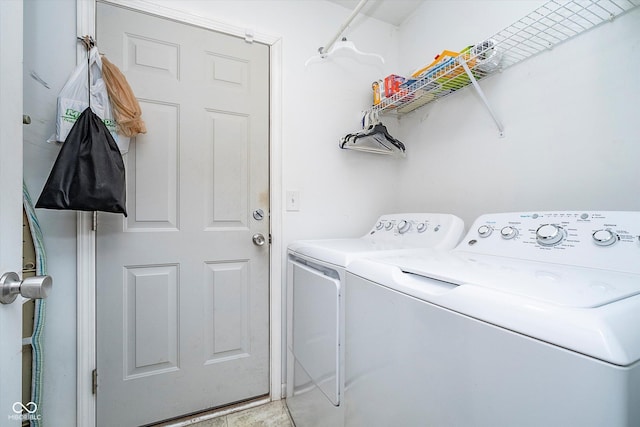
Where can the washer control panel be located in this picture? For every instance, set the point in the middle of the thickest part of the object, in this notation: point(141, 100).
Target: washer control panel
point(608, 240)
point(550, 234)
point(418, 230)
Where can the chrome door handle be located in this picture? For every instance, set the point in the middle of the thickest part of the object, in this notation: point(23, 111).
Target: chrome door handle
point(258, 239)
point(35, 287)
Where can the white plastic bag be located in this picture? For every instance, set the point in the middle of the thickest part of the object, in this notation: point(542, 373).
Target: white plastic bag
point(73, 99)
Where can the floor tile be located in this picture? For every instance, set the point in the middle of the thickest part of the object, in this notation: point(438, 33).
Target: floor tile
point(273, 414)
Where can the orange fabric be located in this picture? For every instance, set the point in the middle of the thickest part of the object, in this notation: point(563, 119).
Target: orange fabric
point(126, 108)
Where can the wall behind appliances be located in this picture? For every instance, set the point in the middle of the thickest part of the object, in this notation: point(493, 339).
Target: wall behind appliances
point(50, 53)
point(570, 118)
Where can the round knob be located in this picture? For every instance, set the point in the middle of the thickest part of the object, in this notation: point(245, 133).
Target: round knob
point(485, 231)
point(259, 239)
point(35, 287)
point(604, 237)
point(422, 227)
point(379, 225)
point(404, 226)
point(388, 226)
point(508, 232)
point(549, 234)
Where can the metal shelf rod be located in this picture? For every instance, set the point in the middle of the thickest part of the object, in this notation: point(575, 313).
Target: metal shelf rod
point(484, 98)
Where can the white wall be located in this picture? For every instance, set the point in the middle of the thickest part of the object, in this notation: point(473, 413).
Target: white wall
point(50, 52)
point(570, 117)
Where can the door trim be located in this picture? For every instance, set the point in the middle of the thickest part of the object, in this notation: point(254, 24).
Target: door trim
point(86, 237)
point(11, 151)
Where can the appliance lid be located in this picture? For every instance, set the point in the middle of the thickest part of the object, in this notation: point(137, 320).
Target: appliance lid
point(552, 303)
point(341, 252)
point(562, 285)
point(390, 233)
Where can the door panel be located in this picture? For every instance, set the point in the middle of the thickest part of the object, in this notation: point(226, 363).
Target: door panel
point(152, 173)
point(151, 320)
point(228, 165)
point(10, 206)
point(227, 313)
point(182, 291)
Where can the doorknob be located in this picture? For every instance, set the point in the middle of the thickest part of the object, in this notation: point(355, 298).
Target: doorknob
point(258, 239)
point(35, 287)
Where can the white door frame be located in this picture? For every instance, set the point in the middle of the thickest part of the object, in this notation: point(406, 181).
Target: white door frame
point(11, 152)
point(86, 237)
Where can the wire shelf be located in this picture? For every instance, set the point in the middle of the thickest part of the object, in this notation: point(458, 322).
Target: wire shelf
point(549, 25)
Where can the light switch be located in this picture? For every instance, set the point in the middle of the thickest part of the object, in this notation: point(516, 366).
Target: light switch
point(293, 200)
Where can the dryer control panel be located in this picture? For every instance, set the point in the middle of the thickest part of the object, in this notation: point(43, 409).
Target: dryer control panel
point(432, 230)
point(607, 240)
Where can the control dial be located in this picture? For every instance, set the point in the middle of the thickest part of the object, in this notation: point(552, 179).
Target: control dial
point(379, 225)
point(484, 231)
point(508, 232)
point(604, 237)
point(388, 226)
point(549, 234)
point(422, 227)
point(404, 226)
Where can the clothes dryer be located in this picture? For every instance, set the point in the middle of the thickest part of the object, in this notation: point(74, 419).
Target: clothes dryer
point(532, 320)
point(315, 306)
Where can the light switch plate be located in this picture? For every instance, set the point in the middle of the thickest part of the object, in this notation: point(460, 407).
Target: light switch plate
point(293, 200)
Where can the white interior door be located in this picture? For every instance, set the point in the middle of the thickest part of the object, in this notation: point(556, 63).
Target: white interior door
point(10, 206)
point(182, 289)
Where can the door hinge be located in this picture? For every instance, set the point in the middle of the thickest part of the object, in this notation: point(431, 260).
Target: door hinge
point(94, 381)
point(94, 223)
point(269, 238)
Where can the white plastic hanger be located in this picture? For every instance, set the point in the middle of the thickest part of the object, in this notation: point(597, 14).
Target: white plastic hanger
point(342, 45)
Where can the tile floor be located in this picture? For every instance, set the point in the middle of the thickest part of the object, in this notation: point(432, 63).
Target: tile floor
point(272, 414)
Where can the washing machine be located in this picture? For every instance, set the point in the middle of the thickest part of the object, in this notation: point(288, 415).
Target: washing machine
point(532, 320)
point(315, 306)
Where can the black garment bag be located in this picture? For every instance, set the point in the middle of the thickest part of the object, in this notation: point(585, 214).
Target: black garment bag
point(88, 174)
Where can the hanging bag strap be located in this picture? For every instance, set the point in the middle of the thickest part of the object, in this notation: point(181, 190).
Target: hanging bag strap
point(89, 44)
